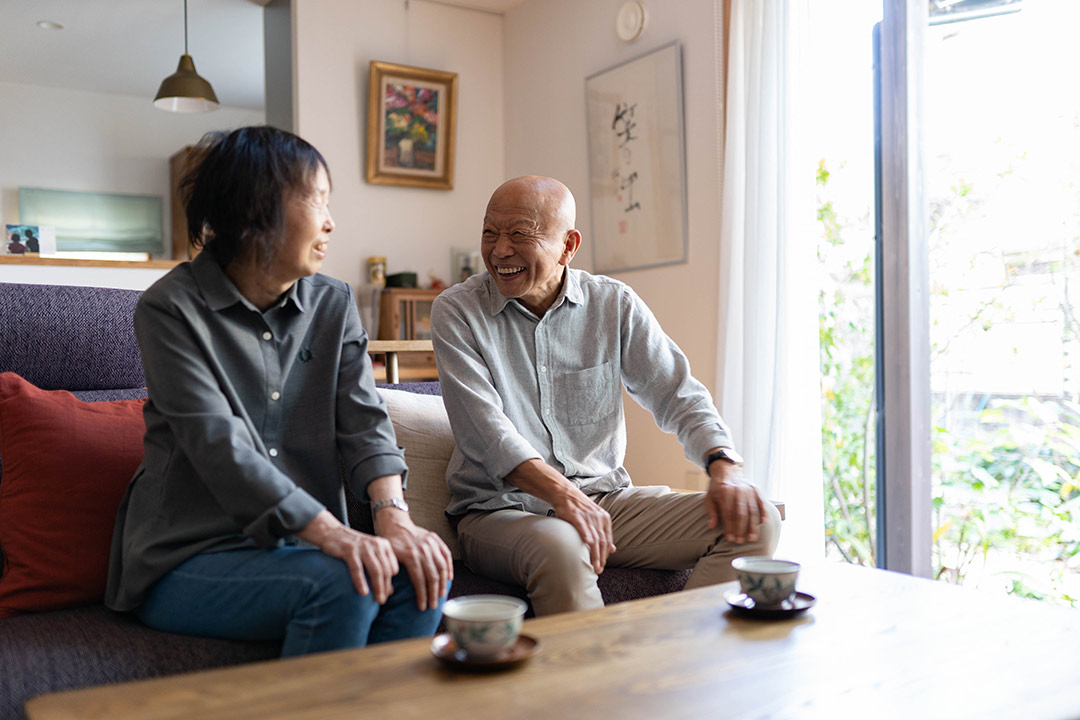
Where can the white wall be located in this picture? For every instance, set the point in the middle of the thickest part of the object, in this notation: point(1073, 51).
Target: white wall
point(334, 42)
point(551, 47)
point(125, 277)
point(73, 140)
point(521, 109)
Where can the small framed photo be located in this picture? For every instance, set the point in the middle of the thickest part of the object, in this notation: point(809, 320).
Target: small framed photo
point(464, 263)
point(23, 239)
point(410, 133)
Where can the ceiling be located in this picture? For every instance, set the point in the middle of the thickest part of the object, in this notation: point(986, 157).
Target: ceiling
point(129, 46)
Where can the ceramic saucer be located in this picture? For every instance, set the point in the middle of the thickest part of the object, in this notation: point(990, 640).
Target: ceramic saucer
point(743, 605)
point(444, 648)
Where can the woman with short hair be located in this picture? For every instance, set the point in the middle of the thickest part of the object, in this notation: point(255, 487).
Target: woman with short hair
point(260, 400)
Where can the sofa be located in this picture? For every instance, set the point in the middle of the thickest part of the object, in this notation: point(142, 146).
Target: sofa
point(65, 458)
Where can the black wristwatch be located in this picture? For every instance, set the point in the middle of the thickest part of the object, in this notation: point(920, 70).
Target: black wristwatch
point(725, 454)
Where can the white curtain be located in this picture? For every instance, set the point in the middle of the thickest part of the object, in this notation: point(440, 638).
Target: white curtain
point(768, 369)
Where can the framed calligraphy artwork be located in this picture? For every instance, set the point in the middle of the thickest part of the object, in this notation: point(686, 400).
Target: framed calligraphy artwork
point(637, 168)
point(410, 133)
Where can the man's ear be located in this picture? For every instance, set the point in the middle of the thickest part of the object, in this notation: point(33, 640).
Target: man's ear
point(570, 247)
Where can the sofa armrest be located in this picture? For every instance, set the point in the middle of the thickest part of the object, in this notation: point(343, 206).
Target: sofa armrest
point(391, 348)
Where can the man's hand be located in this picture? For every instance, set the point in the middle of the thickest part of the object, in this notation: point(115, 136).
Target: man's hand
point(360, 551)
point(732, 499)
point(422, 552)
point(592, 522)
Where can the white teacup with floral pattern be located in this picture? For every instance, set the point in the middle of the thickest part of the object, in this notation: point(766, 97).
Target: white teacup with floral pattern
point(768, 582)
point(484, 625)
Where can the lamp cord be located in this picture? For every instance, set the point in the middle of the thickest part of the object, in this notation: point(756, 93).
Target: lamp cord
point(185, 27)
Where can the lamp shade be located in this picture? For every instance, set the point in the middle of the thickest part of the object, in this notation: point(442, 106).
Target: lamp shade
point(185, 91)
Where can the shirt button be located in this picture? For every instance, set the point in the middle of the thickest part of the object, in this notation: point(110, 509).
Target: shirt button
point(267, 336)
point(273, 452)
point(275, 395)
point(543, 368)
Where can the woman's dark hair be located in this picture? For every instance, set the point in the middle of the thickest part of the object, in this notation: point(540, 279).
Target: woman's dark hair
point(233, 190)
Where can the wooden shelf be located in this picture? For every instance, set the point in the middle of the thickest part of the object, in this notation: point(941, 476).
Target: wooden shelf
point(35, 259)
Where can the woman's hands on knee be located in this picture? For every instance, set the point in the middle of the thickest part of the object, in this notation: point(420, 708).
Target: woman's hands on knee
point(360, 552)
point(422, 552)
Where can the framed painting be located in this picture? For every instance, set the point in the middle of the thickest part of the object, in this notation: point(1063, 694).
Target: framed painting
point(637, 162)
point(410, 134)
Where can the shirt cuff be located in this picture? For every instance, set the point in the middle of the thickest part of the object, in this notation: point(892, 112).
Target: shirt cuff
point(376, 466)
point(705, 439)
point(506, 453)
point(292, 514)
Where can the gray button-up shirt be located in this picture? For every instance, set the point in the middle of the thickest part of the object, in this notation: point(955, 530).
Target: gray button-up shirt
point(518, 387)
point(251, 419)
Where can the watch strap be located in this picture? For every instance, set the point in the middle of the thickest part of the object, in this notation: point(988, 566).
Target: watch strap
point(726, 454)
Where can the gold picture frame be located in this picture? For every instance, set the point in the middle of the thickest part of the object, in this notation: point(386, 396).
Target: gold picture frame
point(411, 117)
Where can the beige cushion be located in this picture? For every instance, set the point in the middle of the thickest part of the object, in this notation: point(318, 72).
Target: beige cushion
point(424, 431)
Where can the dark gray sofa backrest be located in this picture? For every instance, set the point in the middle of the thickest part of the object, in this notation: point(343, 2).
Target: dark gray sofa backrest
point(62, 337)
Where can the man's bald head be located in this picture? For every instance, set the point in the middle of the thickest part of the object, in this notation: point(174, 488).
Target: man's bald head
point(546, 198)
point(529, 239)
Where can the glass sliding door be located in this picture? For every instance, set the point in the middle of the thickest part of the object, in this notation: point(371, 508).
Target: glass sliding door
point(1002, 135)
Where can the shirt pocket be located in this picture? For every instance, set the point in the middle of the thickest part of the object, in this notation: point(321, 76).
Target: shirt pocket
point(589, 396)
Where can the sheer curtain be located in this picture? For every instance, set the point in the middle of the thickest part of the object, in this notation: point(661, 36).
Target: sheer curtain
point(768, 369)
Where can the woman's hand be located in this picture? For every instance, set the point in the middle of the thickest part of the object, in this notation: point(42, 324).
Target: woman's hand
point(422, 552)
point(360, 551)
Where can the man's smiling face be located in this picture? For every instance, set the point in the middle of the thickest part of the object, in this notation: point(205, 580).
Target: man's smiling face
point(528, 239)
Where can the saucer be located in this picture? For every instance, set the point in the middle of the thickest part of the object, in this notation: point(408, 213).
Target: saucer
point(743, 605)
point(444, 648)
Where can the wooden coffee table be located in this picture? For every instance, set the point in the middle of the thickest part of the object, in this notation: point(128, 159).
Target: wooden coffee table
point(877, 644)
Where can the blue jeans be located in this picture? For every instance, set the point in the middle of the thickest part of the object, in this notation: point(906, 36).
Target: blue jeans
point(299, 595)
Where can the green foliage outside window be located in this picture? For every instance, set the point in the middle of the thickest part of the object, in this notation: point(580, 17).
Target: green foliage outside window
point(1006, 470)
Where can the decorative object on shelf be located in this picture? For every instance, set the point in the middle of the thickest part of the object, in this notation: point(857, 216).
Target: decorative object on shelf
point(376, 270)
point(185, 90)
point(411, 116)
point(401, 280)
point(22, 239)
point(464, 263)
point(637, 162)
point(631, 20)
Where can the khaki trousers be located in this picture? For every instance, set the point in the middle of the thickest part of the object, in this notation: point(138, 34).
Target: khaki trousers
point(652, 527)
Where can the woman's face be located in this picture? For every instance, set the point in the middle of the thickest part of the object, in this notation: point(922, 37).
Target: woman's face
point(307, 231)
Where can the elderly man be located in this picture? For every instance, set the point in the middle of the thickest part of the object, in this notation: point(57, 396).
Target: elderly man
point(532, 358)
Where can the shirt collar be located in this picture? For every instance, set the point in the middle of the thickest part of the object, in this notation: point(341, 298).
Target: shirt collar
point(570, 291)
point(220, 292)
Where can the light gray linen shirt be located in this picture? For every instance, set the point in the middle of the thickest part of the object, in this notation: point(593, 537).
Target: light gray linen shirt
point(251, 419)
point(518, 387)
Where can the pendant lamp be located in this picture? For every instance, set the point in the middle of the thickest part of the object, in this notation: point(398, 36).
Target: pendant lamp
point(184, 90)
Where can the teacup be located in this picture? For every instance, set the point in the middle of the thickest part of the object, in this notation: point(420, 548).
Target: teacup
point(484, 625)
point(768, 582)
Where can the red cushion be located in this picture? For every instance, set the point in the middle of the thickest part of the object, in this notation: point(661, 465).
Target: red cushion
point(66, 465)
